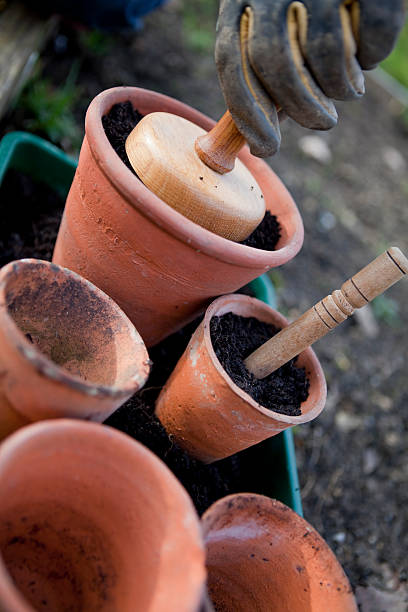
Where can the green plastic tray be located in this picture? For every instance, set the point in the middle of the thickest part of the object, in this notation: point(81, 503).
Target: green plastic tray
point(270, 467)
point(38, 158)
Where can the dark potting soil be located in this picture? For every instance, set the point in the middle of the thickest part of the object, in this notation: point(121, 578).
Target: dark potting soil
point(118, 124)
point(234, 338)
point(31, 213)
point(266, 235)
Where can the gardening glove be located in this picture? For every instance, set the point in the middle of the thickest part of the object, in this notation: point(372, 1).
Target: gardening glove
point(294, 57)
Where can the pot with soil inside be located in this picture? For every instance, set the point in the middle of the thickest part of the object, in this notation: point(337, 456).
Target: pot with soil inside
point(35, 199)
point(263, 556)
point(212, 407)
point(92, 520)
point(159, 266)
point(234, 384)
point(66, 349)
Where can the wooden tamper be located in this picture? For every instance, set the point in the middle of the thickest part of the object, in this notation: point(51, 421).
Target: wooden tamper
point(359, 290)
point(196, 172)
point(193, 171)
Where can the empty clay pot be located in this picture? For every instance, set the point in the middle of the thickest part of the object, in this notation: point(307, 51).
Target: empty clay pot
point(263, 556)
point(160, 267)
point(66, 349)
point(92, 520)
point(206, 413)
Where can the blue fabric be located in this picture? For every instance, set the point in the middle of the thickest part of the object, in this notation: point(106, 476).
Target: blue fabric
point(105, 14)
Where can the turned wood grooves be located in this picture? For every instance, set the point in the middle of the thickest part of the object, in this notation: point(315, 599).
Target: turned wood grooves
point(332, 310)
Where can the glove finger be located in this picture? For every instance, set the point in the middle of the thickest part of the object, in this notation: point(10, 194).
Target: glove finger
point(277, 60)
point(252, 110)
point(376, 25)
point(329, 48)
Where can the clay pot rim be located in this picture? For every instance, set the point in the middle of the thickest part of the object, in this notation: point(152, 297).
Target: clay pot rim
point(49, 428)
point(151, 206)
point(48, 368)
point(275, 505)
point(74, 429)
point(307, 357)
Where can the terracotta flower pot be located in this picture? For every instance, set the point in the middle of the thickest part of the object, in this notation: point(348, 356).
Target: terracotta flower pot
point(161, 268)
point(92, 520)
point(263, 556)
point(66, 349)
point(206, 413)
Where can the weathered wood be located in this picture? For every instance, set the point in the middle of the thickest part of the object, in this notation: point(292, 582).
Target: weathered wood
point(356, 292)
point(22, 35)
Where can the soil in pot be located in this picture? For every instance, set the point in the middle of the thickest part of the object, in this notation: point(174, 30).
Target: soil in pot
point(234, 338)
point(118, 124)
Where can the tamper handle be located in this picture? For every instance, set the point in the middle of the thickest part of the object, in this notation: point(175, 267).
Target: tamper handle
point(220, 146)
point(359, 290)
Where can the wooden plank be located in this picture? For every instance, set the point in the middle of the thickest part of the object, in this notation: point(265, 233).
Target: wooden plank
point(22, 35)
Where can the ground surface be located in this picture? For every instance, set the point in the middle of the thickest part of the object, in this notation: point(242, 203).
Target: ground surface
point(353, 460)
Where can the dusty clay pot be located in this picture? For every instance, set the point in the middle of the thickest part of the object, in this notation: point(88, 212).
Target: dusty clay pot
point(66, 349)
point(161, 268)
point(92, 520)
point(263, 556)
point(206, 413)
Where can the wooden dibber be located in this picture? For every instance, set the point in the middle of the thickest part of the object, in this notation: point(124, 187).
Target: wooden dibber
point(363, 287)
point(196, 172)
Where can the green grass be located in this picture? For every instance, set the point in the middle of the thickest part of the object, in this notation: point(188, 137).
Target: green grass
point(386, 309)
point(277, 279)
point(96, 42)
point(397, 63)
point(49, 111)
point(199, 18)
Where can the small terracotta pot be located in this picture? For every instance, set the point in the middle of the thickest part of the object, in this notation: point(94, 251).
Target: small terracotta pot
point(92, 520)
point(161, 268)
point(206, 413)
point(263, 556)
point(66, 349)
